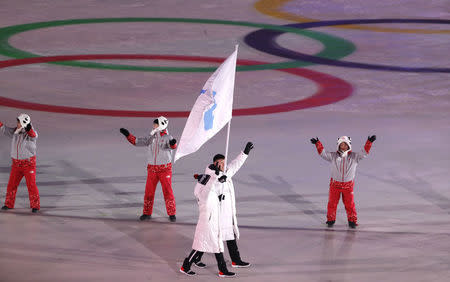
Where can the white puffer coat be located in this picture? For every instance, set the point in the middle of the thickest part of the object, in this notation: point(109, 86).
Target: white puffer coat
point(207, 233)
point(217, 219)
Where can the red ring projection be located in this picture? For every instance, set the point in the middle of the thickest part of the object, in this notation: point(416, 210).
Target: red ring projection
point(331, 89)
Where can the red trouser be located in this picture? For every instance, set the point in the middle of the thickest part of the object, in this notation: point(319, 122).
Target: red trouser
point(19, 169)
point(346, 189)
point(163, 174)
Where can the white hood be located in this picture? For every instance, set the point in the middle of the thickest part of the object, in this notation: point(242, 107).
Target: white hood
point(348, 141)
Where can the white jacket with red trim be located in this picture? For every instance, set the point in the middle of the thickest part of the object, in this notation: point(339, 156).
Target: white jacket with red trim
point(23, 145)
point(159, 149)
point(343, 166)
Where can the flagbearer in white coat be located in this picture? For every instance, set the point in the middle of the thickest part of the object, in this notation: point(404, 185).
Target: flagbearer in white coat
point(217, 215)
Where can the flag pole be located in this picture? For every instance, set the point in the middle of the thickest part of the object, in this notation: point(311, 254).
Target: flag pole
point(226, 146)
point(229, 127)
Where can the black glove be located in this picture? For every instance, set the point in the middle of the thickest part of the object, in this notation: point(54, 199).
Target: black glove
point(372, 138)
point(125, 132)
point(248, 148)
point(223, 178)
point(202, 178)
point(314, 140)
point(28, 127)
point(173, 142)
point(215, 168)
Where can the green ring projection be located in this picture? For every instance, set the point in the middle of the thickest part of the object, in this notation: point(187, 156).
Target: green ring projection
point(334, 47)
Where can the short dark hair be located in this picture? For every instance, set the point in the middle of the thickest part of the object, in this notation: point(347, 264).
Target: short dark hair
point(156, 121)
point(218, 157)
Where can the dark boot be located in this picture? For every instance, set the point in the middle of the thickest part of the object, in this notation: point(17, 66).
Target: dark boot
point(221, 264)
point(236, 260)
point(226, 274)
point(145, 217)
point(186, 267)
point(200, 264)
point(5, 208)
point(352, 224)
point(34, 210)
point(187, 272)
point(172, 218)
point(198, 260)
point(330, 223)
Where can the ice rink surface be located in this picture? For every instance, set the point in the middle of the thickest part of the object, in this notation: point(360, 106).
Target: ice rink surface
point(91, 180)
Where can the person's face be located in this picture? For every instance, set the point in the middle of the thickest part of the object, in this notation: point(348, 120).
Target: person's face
point(220, 164)
point(343, 147)
point(155, 126)
point(19, 125)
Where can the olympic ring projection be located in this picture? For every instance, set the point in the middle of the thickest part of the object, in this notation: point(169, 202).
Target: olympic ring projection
point(273, 8)
point(331, 90)
point(264, 40)
point(334, 47)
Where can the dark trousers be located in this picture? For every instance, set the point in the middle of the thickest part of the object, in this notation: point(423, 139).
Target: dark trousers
point(232, 249)
point(196, 256)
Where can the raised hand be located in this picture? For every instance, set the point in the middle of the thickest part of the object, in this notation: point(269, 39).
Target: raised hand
point(223, 178)
point(248, 147)
point(372, 138)
point(173, 142)
point(215, 168)
point(314, 140)
point(125, 132)
point(28, 127)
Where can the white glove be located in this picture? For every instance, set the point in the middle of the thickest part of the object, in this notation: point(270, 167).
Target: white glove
point(19, 130)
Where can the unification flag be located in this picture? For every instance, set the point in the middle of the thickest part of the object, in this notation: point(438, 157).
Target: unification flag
point(212, 109)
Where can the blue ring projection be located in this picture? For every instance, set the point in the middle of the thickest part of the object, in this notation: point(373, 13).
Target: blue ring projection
point(265, 40)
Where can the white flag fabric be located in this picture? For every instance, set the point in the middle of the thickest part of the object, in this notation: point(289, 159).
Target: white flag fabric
point(212, 109)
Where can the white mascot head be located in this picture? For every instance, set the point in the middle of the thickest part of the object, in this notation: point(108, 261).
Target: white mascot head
point(24, 120)
point(348, 141)
point(162, 123)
